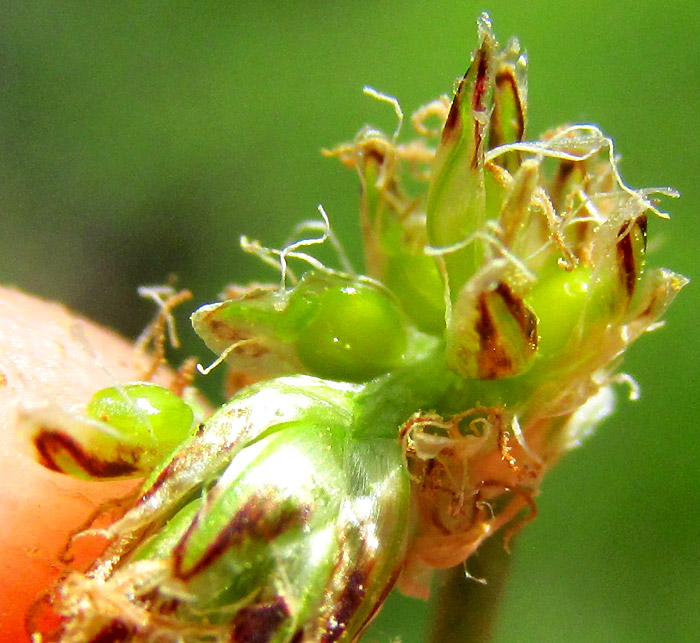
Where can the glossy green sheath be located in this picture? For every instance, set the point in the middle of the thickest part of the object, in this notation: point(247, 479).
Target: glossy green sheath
point(126, 431)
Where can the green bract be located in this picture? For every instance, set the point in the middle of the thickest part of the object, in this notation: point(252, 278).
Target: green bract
point(125, 432)
point(329, 324)
point(272, 523)
point(505, 277)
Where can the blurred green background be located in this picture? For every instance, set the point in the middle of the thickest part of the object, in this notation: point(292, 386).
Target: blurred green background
point(139, 139)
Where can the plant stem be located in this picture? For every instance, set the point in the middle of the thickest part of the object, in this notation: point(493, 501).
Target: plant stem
point(465, 610)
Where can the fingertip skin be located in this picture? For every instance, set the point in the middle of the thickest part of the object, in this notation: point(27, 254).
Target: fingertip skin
point(47, 355)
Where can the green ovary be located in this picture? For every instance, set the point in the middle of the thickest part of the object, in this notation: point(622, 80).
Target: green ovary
point(568, 304)
point(356, 333)
point(147, 414)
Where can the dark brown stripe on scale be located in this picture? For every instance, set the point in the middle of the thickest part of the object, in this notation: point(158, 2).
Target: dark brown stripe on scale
point(625, 260)
point(116, 632)
point(181, 462)
point(642, 222)
point(478, 154)
point(159, 603)
point(625, 253)
point(260, 622)
point(520, 312)
point(223, 330)
point(347, 604)
point(259, 519)
point(298, 636)
point(506, 85)
point(565, 170)
point(372, 153)
point(49, 444)
point(169, 470)
point(453, 122)
point(379, 601)
point(481, 81)
point(493, 360)
point(480, 87)
point(506, 77)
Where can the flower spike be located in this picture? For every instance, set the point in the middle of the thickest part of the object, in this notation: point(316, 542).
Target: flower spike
point(381, 426)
